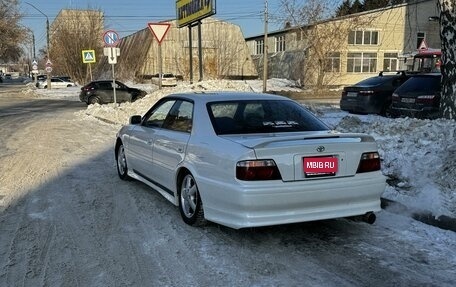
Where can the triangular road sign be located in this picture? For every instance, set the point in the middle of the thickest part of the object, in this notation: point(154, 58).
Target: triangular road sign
point(423, 45)
point(159, 30)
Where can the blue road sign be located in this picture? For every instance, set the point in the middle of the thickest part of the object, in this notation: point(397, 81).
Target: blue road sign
point(111, 38)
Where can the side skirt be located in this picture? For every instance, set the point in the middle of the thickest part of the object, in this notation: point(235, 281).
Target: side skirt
point(168, 194)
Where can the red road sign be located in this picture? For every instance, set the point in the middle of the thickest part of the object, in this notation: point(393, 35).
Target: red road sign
point(423, 45)
point(159, 30)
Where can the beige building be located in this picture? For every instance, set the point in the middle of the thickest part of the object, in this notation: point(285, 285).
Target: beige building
point(224, 52)
point(345, 50)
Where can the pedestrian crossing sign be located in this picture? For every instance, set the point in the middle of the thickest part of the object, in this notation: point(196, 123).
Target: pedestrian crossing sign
point(88, 56)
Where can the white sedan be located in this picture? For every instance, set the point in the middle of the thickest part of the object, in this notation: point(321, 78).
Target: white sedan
point(248, 159)
point(55, 83)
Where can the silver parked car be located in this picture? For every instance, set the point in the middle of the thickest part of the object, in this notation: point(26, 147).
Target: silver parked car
point(248, 159)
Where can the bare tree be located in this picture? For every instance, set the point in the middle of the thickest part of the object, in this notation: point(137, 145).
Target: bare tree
point(447, 32)
point(76, 31)
point(12, 34)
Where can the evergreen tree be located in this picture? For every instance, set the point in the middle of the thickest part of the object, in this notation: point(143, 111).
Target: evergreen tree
point(356, 7)
point(344, 8)
point(375, 4)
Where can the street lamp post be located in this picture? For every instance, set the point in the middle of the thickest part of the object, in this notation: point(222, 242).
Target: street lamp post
point(33, 53)
point(47, 44)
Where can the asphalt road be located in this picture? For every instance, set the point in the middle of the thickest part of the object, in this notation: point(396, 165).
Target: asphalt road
point(67, 220)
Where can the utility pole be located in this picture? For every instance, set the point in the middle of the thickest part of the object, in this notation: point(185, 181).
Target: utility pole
point(48, 42)
point(265, 48)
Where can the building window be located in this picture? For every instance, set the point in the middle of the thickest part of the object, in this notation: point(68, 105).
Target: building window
point(259, 47)
point(280, 43)
point(332, 63)
point(361, 62)
point(363, 38)
point(390, 62)
point(420, 36)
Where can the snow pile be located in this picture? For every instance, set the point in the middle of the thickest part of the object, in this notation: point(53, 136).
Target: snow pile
point(417, 155)
point(121, 113)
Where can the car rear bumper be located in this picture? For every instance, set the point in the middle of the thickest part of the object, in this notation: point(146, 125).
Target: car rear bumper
point(365, 105)
point(281, 203)
point(424, 112)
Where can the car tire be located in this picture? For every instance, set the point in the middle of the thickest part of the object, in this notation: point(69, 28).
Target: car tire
point(69, 85)
point(190, 204)
point(121, 160)
point(386, 111)
point(94, 100)
point(45, 87)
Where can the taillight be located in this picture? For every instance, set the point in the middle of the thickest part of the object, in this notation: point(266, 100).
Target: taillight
point(257, 170)
point(369, 162)
point(366, 93)
point(426, 99)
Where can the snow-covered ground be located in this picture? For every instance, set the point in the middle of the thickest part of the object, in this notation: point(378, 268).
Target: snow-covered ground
point(417, 155)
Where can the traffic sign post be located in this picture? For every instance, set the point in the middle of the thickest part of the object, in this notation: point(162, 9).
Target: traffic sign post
point(159, 31)
point(111, 39)
point(35, 70)
point(48, 71)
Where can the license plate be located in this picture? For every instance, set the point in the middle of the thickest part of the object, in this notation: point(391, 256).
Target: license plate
point(320, 166)
point(352, 94)
point(408, 100)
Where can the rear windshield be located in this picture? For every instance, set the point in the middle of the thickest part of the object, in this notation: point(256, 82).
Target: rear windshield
point(421, 84)
point(262, 116)
point(374, 81)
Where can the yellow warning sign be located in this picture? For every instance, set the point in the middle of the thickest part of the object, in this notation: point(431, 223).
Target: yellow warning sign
point(88, 56)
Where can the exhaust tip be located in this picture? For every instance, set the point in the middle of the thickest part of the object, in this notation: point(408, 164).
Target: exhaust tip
point(369, 217)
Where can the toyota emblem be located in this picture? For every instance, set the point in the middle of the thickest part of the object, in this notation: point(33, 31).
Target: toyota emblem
point(321, 148)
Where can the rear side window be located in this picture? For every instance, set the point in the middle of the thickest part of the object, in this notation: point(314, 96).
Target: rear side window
point(421, 84)
point(263, 116)
point(375, 81)
point(105, 85)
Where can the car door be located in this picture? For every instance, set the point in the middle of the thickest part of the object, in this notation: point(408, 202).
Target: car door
point(104, 91)
point(56, 83)
point(142, 138)
point(122, 93)
point(171, 143)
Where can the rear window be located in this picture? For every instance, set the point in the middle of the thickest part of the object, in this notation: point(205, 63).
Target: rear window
point(420, 84)
point(104, 85)
point(263, 116)
point(375, 81)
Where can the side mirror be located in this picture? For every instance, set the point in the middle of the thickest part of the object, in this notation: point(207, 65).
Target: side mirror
point(135, 120)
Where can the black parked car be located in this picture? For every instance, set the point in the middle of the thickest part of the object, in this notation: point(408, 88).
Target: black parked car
point(102, 92)
point(372, 95)
point(418, 97)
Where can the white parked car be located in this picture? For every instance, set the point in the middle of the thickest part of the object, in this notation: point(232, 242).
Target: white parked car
point(248, 159)
point(168, 80)
point(55, 83)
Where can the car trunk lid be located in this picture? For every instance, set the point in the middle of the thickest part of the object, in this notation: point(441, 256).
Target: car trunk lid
point(292, 153)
